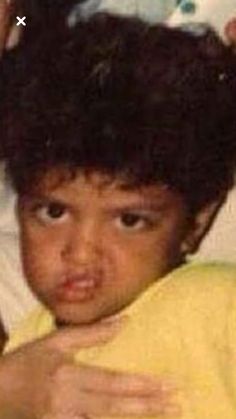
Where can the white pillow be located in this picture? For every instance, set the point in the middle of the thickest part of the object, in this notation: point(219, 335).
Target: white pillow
point(15, 298)
point(220, 243)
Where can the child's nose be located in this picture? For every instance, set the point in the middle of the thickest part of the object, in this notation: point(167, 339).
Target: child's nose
point(82, 246)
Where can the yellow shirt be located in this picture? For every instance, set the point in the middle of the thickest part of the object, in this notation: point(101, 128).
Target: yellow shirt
point(184, 327)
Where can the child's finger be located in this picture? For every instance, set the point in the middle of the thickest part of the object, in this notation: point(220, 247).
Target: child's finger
point(70, 339)
point(110, 405)
point(63, 416)
point(96, 379)
point(96, 391)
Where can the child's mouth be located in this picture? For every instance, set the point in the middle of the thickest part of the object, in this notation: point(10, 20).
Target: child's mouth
point(78, 288)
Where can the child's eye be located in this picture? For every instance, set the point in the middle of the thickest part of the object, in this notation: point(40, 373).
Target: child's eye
point(51, 213)
point(132, 221)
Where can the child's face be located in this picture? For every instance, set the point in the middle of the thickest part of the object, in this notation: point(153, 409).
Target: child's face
point(90, 247)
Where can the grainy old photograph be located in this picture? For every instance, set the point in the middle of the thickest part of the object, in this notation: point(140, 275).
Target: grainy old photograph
point(117, 209)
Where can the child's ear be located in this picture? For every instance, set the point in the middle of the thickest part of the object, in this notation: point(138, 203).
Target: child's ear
point(200, 225)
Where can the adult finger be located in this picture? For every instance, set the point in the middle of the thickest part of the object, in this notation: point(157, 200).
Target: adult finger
point(230, 32)
point(4, 22)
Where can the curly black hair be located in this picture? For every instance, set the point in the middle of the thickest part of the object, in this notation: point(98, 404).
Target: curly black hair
point(125, 98)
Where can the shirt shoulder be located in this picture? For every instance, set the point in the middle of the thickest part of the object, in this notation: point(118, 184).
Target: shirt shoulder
point(193, 296)
point(36, 325)
point(197, 284)
point(203, 280)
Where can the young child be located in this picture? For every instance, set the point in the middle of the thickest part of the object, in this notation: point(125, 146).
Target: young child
point(119, 138)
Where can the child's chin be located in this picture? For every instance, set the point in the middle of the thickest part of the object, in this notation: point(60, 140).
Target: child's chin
point(68, 322)
point(71, 317)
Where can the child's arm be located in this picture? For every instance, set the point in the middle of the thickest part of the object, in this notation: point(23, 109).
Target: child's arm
point(39, 380)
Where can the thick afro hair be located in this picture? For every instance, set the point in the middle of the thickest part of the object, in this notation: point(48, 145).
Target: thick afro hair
point(125, 98)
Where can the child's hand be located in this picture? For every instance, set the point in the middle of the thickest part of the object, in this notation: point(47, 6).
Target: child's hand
point(40, 381)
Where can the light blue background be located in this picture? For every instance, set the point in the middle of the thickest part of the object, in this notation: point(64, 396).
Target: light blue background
point(152, 10)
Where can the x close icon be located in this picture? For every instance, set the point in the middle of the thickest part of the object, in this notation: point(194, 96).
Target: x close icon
point(21, 21)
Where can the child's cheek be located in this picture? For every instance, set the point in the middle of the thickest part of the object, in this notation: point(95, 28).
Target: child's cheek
point(41, 252)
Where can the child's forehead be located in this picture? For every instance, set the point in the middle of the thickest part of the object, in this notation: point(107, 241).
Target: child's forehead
point(62, 181)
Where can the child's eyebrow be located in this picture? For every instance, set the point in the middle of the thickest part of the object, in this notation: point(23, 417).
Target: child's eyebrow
point(149, 206)
point(136, 203)
point(44, 199)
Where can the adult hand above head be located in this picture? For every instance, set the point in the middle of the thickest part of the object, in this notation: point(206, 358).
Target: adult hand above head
point(40, 380)
point(4, 22)
point(230, 32)
point(9, 33)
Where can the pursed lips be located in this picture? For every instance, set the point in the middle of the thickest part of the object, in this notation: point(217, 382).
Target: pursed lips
point(75, 287)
